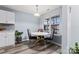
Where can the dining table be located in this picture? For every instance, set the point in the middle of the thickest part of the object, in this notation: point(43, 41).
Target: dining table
point(40, 36)
point(40, 33)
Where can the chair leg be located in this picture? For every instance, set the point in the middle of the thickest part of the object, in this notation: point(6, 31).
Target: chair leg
point(30, 43)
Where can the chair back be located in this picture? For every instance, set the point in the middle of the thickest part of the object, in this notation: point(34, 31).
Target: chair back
point(28, 32)
point(52, 34)
point(40, 30)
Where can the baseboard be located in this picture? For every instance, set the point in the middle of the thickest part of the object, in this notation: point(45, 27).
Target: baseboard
point(25, 40)
point(7, 47)
point(56, 43)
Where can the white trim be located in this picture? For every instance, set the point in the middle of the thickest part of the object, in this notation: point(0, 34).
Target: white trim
point(57, 43)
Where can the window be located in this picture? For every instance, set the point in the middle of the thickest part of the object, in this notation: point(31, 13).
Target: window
point(46, 25)
point(55, 20)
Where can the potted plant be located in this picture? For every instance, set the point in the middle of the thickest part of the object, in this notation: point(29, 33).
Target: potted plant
point(18, 36)
point(75, 50)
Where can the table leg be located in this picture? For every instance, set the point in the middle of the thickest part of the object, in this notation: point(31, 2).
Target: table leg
point(44, 41)
point(38, 39)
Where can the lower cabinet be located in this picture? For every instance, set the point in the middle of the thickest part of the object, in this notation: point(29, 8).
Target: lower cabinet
point(10, 39)
point(2, 40)
point(7, 39)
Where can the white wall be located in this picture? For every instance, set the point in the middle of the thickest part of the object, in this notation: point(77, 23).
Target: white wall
point(74, 24)
point(26, 21)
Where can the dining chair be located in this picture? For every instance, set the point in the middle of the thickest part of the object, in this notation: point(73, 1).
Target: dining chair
point(40, 30)
point(31, 38)
point(49, 38)
point(29, 35)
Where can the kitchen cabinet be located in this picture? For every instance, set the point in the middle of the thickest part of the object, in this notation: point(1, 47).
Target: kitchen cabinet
point(10, 40)
point(10, 18)
point(7, 21)
point(2, 16)
point(2, 39)
point(7, 39)
point(7, 17)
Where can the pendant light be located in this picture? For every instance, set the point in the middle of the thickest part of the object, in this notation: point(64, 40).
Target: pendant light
point(36, 13)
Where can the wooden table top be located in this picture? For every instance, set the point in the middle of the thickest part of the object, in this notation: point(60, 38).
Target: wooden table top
point(40, 33)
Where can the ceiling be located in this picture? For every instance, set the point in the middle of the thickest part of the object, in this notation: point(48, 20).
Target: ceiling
point(42, 9)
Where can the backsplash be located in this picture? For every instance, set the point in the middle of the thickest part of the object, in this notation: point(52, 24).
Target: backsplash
point(6, 27)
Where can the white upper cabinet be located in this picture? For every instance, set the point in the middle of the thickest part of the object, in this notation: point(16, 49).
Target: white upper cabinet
point(10, 18)
point(7, 17)
point(2, 16)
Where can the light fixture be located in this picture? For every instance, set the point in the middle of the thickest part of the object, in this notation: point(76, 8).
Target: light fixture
point(36, 13)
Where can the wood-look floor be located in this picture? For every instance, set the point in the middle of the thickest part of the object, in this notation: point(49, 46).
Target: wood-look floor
point(24, 49)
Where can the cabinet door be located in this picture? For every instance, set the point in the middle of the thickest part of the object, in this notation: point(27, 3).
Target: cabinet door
point(10, 39)
point(2, 40)
point(2, 16)
point(10, 18)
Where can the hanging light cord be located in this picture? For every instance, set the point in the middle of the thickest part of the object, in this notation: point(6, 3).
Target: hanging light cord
point(37, 8)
